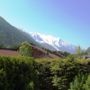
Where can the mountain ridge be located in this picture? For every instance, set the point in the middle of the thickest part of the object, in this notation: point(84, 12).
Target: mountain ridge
point(11, 36)
point(53, 43)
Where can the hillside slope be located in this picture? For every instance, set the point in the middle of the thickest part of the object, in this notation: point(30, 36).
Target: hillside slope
point(11, 36)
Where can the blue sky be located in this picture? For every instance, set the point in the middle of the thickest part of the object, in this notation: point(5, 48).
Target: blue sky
point(67, 19)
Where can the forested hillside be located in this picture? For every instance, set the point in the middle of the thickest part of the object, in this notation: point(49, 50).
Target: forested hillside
point(11, 37)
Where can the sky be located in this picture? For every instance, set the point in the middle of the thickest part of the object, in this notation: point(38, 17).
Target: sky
point(67, 19)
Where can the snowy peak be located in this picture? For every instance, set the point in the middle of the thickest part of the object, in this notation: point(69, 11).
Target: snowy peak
point(47, 39)
point(53, 43)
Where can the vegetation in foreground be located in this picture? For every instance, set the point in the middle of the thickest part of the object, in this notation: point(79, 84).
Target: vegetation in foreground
point(25, 73)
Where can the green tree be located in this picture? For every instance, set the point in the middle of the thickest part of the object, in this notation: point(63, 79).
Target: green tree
point(79, 52)
point(87, 84)
point(25, 49)
point(17, 73)
point(78, 82)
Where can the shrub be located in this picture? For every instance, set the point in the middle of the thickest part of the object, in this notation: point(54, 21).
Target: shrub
point(86, 86)
point(23, 73)
point(25, 49)
point(78, 82)
point(16, 73)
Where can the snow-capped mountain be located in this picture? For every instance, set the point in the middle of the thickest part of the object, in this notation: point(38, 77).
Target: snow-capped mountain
point(53, 43)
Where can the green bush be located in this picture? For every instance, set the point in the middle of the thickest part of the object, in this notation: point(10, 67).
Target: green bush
point(58, 74)
point(25, 49)
point(86, 86)
point(16, 73)
point(78, 83)
point(24, 73)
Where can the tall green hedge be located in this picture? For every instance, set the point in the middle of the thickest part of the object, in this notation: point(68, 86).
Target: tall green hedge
point(25, 73)
point(58, 74)
point(16, 73)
